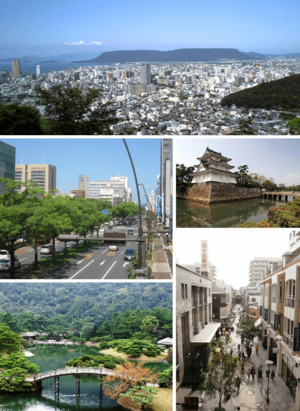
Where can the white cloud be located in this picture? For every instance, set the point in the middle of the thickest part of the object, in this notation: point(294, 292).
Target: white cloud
point(82, 43)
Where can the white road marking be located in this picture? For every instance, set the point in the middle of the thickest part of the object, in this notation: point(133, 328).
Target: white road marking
point(102, 262)
point(81, 269)
point(105, 251)
point(80, 261)
point(125, 264)
point(109, 270)
point(23, 259)
point(123, 252)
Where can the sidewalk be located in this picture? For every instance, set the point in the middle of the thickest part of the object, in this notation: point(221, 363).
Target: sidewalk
point(252, 394)
point(160, 269)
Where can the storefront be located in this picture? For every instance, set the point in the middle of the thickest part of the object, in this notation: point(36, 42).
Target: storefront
point(288, 376)
point(273, 351)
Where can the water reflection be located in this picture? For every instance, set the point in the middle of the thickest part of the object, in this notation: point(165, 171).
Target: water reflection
point(223, 214)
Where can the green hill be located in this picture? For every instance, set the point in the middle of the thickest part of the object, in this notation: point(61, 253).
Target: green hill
point(283, 94)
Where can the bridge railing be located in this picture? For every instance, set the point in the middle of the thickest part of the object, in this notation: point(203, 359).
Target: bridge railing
point(69, 371)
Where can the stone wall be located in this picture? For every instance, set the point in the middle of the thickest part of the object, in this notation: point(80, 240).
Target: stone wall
point(213, 192)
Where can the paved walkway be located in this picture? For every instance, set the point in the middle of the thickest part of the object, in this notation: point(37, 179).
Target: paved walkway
point(160, 269)
point(252, 394)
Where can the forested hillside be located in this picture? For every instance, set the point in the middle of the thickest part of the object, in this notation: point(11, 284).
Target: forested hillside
point(283, 94)
point(43, 306)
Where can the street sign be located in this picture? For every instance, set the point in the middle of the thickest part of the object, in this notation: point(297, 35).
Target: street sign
point(291, 383)
point(276, 321)
point(296, 342)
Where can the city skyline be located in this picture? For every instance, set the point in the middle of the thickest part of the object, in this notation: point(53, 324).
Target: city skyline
point(231, 250)
point(230, 25)
point(98, 167)
point(275, 158)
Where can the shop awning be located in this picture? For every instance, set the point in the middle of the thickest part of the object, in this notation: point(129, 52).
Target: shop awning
point(207, 334)
point(258, 322)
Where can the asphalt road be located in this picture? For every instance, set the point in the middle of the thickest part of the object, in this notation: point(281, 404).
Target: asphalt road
point(98, 263)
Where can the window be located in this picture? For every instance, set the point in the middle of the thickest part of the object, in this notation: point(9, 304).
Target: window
point(253, 300)
point(182, 291)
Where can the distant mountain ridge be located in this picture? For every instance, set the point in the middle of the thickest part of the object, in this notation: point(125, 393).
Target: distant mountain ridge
point(178, 55)
point(60, 57)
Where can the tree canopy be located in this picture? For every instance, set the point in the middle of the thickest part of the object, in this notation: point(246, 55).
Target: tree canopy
point(19, 120)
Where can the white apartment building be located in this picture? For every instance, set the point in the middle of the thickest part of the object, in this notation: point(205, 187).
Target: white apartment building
point(259, 267)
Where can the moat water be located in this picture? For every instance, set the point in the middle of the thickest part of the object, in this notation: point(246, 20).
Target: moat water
point(191, 214)
point(49, 358)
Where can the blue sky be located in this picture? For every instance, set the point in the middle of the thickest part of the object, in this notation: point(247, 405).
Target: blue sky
point(97, 158)
point(277, 158)
point(44, 27)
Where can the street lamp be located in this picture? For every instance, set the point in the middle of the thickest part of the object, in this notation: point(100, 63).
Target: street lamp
point(141, 184)
point(269, 363)
point(140, 207)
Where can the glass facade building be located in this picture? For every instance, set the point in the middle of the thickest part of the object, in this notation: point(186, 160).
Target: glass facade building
point(7, 162)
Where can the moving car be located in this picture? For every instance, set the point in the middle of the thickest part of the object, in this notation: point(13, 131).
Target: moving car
point(113, 248)
point(130, 232)
point(129, 254)
point(4, 253)
point(5, 263)
point(46, 249)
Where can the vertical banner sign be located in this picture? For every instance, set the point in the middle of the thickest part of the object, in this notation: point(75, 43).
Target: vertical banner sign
point(276, 322)
point(266, 314)
point(296, 344)
point(260, 310)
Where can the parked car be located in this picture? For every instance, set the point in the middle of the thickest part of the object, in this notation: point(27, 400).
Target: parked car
point(113, 248)
point(46, 249)
point(4, 252)
point(130, 232)
point(5, 263)
point(129, 254)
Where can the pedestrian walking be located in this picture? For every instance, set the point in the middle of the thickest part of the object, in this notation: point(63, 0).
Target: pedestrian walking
point(243, 367)
point(243, 356)
point(257, 348)
point(253, 372)
point(272, 375)
point(238, 383)
point(248, 374)
point(239, 347)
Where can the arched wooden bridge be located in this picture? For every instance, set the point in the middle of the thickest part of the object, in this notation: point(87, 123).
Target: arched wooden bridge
point(76, 371)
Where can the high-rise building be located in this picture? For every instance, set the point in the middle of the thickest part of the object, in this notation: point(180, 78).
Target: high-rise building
point(15, 68)
point(37, 70)
point(166, 173)
point(145, 73)
point(84, 184)
point(7, 163)
point(43, 174)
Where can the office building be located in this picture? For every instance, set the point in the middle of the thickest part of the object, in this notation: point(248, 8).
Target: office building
point(195, 329)
point(145, 73)
point(78, 193)
point(43, 174)
point(117, 183)
point(37, 70)
point(7, 163)
point(166, 181)
point(15, 68)
point(84, 184)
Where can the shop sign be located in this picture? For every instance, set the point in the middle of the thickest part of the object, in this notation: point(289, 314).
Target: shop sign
point(296, 343)
point(266, 314)
point(291, 383)
point(276, 322)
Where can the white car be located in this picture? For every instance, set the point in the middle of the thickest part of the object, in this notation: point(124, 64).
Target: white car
point(46, 249)
point(4, 253)
point(5, 264)
point(113, 248)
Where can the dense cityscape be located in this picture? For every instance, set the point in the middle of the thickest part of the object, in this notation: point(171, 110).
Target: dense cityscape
point(163, 99)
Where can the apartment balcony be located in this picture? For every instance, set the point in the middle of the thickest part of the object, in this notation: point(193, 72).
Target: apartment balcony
point(289, 301)
point(288, 339)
